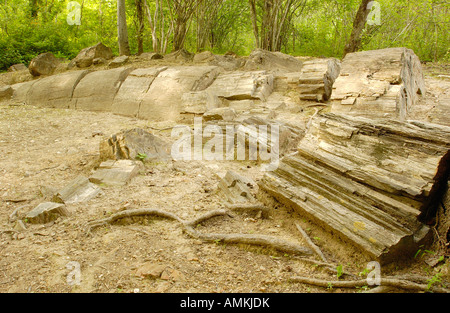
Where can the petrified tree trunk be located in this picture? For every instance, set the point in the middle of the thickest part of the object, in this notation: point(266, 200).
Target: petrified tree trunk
point(317, 78)
point(386, 82)
point(364, 180)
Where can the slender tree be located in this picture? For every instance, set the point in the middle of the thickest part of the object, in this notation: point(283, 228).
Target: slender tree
point(124, 47)
point(139, 22)
point(354, 42)
point(271, 21)
point(181, 14)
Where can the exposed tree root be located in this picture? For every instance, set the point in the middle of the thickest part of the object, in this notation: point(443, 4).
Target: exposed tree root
point(260, 240)
point(249, 207)
point(387, 282)
point(132, 213)
point(329, 267)
point(206, 217)
point(8, 231)
point(188, 226)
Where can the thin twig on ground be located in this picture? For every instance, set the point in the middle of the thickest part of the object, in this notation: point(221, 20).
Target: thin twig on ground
point(311, 244)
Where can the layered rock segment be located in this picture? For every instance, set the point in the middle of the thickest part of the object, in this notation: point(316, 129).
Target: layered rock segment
point(363, 180)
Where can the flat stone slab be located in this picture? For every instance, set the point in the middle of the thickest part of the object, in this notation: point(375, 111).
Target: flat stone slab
point(78, 190)
point(115, 173)
point(46, 212)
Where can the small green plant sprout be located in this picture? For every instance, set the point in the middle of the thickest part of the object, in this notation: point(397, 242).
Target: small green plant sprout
point(141, 157)
point(362, 288)
point(364, 273)
point(340, 271)
point(433, 280)
point(421, 253)
point(330, 286)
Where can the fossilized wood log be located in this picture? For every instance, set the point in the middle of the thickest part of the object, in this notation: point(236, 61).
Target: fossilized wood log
point(364, 180)
point(316, 79)
point(379, 82)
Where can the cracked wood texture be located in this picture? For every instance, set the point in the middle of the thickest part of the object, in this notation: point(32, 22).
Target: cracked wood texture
point(364, 180)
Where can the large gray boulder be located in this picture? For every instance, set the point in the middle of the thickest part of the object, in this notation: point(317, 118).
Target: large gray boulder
point(43, 64)
point(86, 56)
point(6, 92)
point(119, 61)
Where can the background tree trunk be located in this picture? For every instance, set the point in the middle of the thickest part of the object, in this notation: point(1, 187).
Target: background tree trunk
point(139, 25)
point(272, 20)
point(34, 4)
point(124, 47)
point(181, 14)
point(354, 42)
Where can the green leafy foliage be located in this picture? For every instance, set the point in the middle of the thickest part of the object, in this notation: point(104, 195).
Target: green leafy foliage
point(315, 27)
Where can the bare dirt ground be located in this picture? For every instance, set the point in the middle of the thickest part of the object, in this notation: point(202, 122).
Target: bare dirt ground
point(41, 150)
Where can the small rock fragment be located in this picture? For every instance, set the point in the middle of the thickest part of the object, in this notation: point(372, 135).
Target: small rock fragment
point(46, 212)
